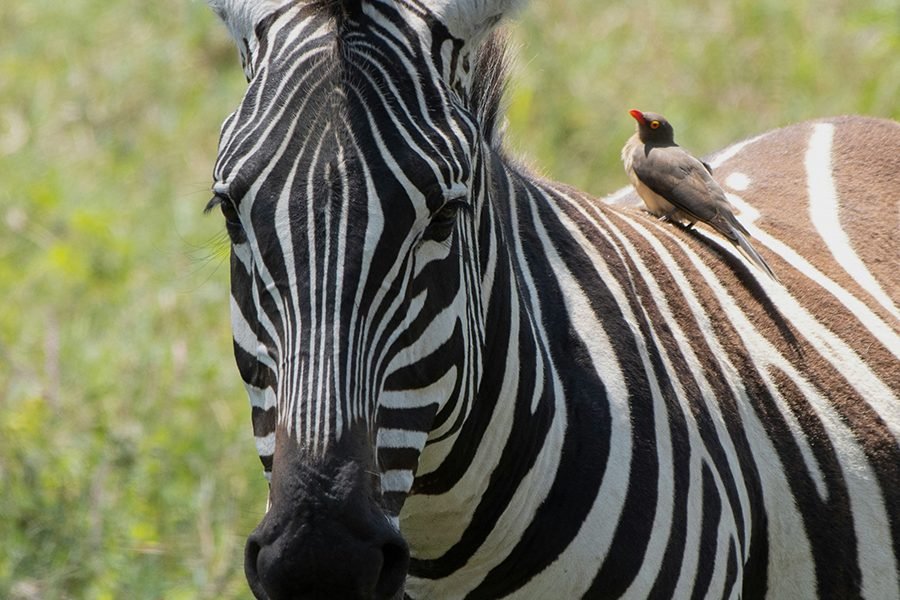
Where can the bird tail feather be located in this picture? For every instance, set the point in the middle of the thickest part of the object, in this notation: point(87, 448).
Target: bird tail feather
point(743, 244)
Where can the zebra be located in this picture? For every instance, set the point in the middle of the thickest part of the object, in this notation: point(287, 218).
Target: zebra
point(467, 381)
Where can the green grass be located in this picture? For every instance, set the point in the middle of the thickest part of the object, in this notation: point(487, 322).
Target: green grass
point(127, 465)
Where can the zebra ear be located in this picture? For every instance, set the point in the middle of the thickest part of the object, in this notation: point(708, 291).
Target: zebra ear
point(241, 17)
point(471, 20)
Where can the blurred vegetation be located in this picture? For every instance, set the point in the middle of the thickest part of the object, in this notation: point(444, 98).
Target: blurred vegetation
point(720, 71)
point(127, 465)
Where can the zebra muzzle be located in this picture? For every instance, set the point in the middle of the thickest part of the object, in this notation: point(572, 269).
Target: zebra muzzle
point(325, 537)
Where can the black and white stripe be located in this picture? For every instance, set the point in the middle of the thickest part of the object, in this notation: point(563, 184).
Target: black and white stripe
point(561, 397)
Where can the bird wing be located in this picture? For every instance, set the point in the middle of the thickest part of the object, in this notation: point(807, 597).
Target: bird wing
point(686, 183)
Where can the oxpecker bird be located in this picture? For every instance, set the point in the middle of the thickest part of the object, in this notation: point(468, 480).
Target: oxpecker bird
point(679, 187)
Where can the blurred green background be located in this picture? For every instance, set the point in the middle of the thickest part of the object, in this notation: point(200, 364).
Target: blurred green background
point(127, 466)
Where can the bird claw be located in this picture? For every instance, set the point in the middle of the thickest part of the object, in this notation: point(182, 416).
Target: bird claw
point(678, 222)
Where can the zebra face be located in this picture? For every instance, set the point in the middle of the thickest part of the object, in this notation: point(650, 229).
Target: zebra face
point(350, 179)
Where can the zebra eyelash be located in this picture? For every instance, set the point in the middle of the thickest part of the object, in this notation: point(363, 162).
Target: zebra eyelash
point(215, 201)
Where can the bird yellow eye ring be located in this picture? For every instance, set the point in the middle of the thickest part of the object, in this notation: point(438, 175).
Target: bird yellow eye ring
point(654, 124)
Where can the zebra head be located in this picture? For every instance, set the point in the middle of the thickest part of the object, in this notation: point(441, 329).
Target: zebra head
point(352, 179)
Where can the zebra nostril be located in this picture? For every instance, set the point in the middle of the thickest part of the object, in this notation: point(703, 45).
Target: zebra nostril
point(394, 565)
point(251, 568)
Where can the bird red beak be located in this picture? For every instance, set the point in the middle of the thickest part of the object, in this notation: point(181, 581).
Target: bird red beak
point(638, 115)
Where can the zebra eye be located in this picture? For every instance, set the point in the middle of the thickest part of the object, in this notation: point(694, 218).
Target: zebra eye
point(443, 221)
point(232, 220)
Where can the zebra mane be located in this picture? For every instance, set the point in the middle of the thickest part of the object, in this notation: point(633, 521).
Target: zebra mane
point(489, 81)
point(492, 60)
point(466, 19)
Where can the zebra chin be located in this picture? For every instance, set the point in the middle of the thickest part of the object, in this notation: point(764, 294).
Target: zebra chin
point(325, 535)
